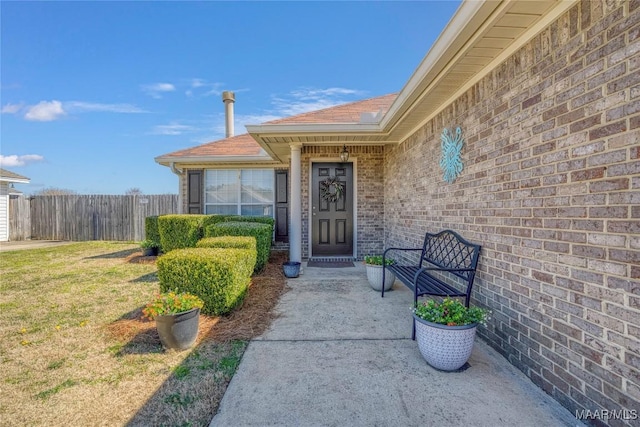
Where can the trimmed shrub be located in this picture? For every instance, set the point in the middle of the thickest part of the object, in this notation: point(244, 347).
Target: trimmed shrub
point(151, 231)
point(262, 233)
point(231, 242)
point(235, 242)
point(212, 219)
point(248, 218)
point(180, 231)
point(220, 277)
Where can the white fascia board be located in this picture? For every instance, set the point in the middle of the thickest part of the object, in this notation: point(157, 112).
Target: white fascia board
point(462, 17)
point(166, 161)
point(311, 128)
point(18, 180)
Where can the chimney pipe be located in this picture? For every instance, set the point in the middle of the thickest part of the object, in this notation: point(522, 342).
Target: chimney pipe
point(228, 98)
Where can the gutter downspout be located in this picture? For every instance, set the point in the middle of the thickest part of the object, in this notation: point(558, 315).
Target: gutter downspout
point(180, 173)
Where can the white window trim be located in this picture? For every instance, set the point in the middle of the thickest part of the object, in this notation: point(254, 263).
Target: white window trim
point(239, 203)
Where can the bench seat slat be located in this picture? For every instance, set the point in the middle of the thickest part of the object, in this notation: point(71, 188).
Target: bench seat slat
point(427, 284)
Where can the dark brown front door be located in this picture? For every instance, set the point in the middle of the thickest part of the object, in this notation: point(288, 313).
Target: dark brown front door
point(331, 221)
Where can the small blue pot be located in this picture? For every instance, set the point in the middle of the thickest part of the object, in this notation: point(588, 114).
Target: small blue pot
point(291, 269)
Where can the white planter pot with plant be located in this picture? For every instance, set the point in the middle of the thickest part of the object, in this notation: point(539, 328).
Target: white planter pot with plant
point(446, 331)
point(374, 272)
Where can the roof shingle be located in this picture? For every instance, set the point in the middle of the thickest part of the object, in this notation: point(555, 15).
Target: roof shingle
point(245, 145)
point(239, 145)
point(345, 113)
point(11, 175)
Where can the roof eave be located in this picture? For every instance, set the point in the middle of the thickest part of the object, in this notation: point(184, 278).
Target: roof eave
point(16, 180)
point(467, 13)
point(420, 99)
point(313, 128)
point(166, 161)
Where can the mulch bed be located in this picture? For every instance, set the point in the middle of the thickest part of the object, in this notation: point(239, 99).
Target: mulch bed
point(138, 258)
point(248, 320)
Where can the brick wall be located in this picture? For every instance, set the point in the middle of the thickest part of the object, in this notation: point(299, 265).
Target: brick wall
point(370, 203)
point(551, 189)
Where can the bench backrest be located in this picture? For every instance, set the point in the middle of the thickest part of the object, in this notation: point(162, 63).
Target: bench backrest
point(448, 249)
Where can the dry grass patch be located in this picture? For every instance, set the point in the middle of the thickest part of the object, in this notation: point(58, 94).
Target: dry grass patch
point(75, 349)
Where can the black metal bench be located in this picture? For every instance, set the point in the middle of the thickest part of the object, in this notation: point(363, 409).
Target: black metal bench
point(447, 267)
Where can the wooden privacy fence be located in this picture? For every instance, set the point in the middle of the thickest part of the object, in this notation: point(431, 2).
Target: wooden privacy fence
point(93, 217)
point(19, 218)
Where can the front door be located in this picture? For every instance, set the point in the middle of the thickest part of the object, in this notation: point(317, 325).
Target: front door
point(332, 209)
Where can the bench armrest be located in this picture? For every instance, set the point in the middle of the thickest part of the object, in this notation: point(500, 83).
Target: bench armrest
point(400, 249)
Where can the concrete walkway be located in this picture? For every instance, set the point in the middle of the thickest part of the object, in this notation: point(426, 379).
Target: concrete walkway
point(342, 355)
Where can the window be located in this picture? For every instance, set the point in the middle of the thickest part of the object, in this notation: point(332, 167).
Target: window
point(239, 192)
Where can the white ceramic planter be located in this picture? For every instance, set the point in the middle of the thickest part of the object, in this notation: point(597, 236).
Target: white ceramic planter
point(374, 275)
point(445, 347)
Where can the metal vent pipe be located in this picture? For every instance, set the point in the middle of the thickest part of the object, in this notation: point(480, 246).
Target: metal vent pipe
point(228, 98)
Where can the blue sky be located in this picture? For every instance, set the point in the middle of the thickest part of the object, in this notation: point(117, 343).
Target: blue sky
point(91, 92)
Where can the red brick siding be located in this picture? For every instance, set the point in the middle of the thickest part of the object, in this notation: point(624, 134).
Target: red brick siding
point(551, 189)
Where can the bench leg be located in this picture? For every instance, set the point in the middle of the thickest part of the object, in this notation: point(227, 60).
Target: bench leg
point(415, 305)
point(384, 270)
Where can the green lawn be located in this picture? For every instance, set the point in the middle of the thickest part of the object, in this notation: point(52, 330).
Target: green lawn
point(68, 357)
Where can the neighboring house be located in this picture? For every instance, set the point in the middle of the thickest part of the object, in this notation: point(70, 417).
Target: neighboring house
point(7, 179)
point(547, 95)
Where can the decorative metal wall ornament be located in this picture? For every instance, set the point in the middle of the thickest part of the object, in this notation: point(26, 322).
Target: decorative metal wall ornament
point(327, 185)
point(451, 160)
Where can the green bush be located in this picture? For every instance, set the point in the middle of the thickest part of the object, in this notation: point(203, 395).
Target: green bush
point(220, 277)
point(212, 219)
point(231, 242)
point(151, 231)
point(248, 218)
point(262, 233)
point(180, 231)
point(235, 242)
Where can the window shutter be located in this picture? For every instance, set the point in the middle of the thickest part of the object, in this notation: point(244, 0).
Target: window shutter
point(194, 191)
point(282, 206)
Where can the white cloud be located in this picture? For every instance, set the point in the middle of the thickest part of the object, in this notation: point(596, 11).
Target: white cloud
point(251, 119)
point(155, 90)
point(172, 129)
point(202, 87)
point(11, 108)
point(311, 93)
point(45, 111)
point(14, 160)
point(304, 100)
point(80, 107)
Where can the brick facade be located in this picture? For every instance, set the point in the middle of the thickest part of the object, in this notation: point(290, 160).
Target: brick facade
point(551, 189)
point(368, 174)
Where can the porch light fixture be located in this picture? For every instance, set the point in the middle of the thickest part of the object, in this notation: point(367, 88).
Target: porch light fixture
point(344, 155)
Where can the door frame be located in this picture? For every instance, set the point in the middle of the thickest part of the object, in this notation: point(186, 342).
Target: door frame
point(354, 164)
